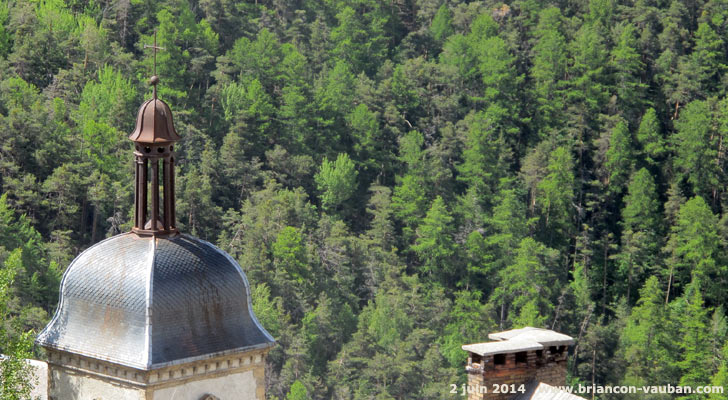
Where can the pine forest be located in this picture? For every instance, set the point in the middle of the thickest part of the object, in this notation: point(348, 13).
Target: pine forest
point(396, 178)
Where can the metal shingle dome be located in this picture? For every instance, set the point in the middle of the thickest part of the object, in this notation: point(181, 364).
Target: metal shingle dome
point(148, 302)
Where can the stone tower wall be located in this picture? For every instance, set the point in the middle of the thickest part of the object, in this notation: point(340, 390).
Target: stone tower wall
point(238, 376)
point(487, 375)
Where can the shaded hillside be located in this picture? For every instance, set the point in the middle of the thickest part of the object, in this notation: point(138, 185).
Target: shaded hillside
point(396, 178)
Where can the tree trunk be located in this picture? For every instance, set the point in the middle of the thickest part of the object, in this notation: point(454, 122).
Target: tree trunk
point(629, 282)
point(669, 285)
point(593, 363)
point(93, 224)
point(82, 221)
point(604, 277)
point(677, 107)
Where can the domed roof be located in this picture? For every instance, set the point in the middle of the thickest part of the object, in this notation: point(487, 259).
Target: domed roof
point(147, 302)
point(154, 123)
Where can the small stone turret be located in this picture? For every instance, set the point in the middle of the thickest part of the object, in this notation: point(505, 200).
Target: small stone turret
point(526, 356)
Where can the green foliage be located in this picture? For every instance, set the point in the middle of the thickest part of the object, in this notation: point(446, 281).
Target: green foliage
point(16, 374)
point(326, 329)
point(695, 362)
point(360, 38)
point(195, 208)
point(257, 59)
point(641, 227)
point(707, 57)
point(434, 244)
point(587, 91)
point(492, 252)
point(104, 107)
point(469, 319)
point(441, 26)
point(409, 199)
point(549, 66)
point(627, 66)
point(472, 164)
point(5, 36)
point(649, 136)
point(381, 358)
point(190, 47)
point(619, 156)
point(556, 190)
point(695, 149)
point(485, 156)
point(371, 146)
point(269, 311)
point(527, 285)
point(694, 247)
point(290, 256)
point(720, 378)
point(641, 209)
point(646, 339)
point(298, 392)
point(337, 181)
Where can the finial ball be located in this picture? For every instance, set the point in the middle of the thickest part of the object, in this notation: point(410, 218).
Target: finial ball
point(154, 80)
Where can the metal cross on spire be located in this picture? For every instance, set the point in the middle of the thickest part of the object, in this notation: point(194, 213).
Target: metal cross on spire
point(154, 79)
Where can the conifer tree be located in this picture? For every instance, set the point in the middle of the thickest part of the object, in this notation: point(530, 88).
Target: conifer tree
point(435, 245)
point(619, 157)
point(556, 191)
point(707, 57)
point(646, 339)
point(507, 226)
point(649, 136)
point(587, 90)
point(360, 38)
point(720, 378)
point(298, 391)
point(627, 65)
point(527, 284)
point(409, 199)
point(694, 249)
point(694, 363)
point(337, 181)
point(640, 228)
point(17, 375)
point(441, 26)
point(695, 149)
point(469, 319)
point(549, 68)
point(486, 153)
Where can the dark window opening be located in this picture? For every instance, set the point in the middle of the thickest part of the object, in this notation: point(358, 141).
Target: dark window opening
point(521, 357)
point(552, 349)
point(539, 353)
point(499, 359)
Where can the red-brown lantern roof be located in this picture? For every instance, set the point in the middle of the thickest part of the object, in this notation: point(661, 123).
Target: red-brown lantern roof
point(154, 123)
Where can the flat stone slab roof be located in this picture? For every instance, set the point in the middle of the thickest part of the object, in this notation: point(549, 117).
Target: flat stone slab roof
point(546, 337)
point(524, 339)
point(507, 346)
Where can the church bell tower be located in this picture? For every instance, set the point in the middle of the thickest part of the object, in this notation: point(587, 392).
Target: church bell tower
point(154, 139)
point(155, 314)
